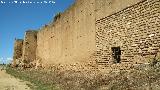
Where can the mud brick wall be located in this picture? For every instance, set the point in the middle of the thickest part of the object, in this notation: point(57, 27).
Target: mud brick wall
point(89, 29)
point(29, 46)
point(18, 47)
point(135, 29)
point(71, 38)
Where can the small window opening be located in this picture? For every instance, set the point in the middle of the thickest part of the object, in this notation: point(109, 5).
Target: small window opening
point(116, 54)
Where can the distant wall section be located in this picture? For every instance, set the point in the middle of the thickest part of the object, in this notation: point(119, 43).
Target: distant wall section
point(18, 48)
point(29, 46)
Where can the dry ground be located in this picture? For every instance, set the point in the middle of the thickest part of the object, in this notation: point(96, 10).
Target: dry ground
point(8, 82)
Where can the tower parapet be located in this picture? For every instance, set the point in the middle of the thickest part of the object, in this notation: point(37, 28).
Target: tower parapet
point(29, 46)
point(18, 48)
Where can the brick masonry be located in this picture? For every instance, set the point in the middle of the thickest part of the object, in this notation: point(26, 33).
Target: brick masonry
point(135, 29)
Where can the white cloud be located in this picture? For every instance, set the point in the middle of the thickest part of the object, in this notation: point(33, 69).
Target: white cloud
point(8, 60)
point(5, 60)
point(1, 60)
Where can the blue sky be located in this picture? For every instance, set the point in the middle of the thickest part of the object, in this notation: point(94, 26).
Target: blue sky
point(16, 18)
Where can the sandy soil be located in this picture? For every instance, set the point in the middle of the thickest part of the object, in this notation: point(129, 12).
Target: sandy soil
point(8, 82)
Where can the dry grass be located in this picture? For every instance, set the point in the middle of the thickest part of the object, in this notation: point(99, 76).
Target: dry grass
point(143, 77)
point(38, 78)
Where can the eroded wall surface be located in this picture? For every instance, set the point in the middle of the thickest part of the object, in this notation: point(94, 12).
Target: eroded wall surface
point(135, 29)
point(18, 48)
point(71, 38)
point(88, 30)
point(29, 46)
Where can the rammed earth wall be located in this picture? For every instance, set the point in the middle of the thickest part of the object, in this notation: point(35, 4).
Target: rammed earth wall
point(18, 48)
point(29, 46)
point(72, 37)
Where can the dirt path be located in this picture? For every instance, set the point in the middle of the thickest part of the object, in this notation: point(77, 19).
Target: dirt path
point(8, 82)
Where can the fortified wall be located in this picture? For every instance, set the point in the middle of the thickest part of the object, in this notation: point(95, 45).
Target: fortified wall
point(18, 48)
point(29, 46)
point(106, 32)
point(71, 38)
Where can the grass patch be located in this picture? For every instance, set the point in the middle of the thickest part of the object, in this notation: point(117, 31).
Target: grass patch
point(35, 77)
point(141, 77)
